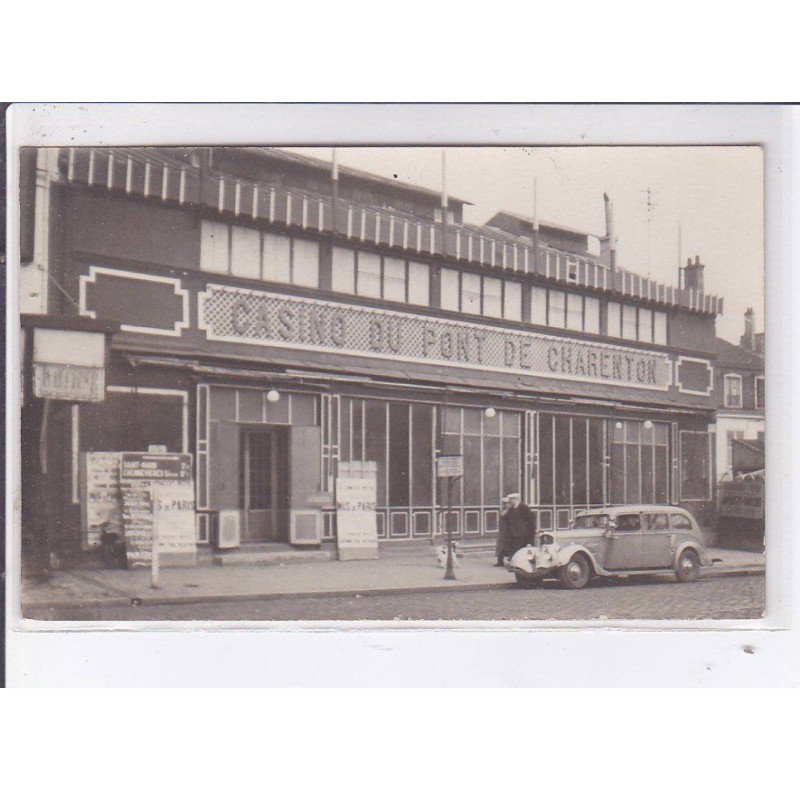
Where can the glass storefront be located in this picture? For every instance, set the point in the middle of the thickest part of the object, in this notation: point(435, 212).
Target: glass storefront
point(560, 462)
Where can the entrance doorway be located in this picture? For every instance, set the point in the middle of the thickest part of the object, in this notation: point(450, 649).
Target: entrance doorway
point(265, 484)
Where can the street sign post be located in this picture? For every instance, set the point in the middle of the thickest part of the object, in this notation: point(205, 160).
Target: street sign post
point(452, 468)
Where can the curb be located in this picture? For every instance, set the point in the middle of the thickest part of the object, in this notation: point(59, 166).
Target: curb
point(125, 600)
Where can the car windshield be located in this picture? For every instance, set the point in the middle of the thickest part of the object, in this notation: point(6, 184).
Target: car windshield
point(591, 521)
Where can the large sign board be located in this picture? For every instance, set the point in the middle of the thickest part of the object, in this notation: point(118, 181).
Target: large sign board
point(742, 498)
point(356, 500)
point(141, 476)
point(249, 316)
point(69, 365)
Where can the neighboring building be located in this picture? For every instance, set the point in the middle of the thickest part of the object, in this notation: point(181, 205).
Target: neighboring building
point(740, 393)
point(275, 321)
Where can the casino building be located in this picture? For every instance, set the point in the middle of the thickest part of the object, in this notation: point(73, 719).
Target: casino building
point(277, 317)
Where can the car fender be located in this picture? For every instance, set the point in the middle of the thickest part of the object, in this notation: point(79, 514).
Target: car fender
point(697, 547)
point(565, 554)
point(521, 560)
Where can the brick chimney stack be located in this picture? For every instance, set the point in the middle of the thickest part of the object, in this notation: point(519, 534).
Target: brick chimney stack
point(748, 339)
point(693, 275)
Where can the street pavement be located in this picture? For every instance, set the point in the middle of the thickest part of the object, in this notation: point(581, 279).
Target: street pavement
point(737, 597)
point(412, 572)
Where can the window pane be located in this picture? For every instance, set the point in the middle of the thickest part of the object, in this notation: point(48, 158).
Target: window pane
point(512, 302)
point(473, 473)
point(375, 442)
point(648, 469)
point(759, 394)
point(512, 478)
point(613, 320)
point(421, 454)
point(246, 252)
point(491, 471)
point(579, 482)
point(306, 263)
point(398, 454)
point(470, 293)
point(575, 312)
point(369, 275)
point(343, 271)
point(538, 305)
point(645, 325)
point(450, 290)
point(451, 420)
point(694, 465)
point(591, 322)
point(214, 246)
point(556, 316)
point(660, 327)
point(562, 461)
point(632, 487)
point(419, 284)
point(545, 459)
point(277, 250)
point(492, 297)
point(628, 322)
point(394, 279)
point(595, 461)
point(733, 391)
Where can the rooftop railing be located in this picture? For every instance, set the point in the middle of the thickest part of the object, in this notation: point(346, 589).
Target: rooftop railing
point(150, 174)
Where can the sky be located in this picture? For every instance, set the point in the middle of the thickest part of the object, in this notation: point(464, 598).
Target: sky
point(715, 193)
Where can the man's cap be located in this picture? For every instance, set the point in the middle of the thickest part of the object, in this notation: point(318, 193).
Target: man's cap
point(514, 495)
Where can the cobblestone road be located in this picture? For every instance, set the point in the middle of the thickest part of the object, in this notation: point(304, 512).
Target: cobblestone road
point(741, 597)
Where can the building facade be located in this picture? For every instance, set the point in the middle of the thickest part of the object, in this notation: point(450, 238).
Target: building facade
point(740, 394)
point(277, 317)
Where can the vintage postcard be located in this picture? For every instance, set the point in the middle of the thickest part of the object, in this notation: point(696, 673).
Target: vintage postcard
point(391, 383)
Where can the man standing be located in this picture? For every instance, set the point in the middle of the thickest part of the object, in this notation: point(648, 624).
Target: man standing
point(501, 549)
point(520, 524)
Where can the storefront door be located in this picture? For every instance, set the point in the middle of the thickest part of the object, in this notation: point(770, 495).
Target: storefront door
point(265, 481)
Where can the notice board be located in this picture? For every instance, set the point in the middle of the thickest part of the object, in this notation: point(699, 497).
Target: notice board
point(101, 501)
point(356, 499)
point(141, 476)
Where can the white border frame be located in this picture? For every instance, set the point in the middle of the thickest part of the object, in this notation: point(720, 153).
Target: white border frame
point(709, 367)
point(620, 653)
point(180, 325)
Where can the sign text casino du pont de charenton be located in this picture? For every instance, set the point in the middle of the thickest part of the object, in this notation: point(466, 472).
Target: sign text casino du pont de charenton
point(253, 317)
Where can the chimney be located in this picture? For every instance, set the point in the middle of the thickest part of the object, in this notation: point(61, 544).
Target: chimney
point(748, 339)
point(693, 275)
point(608, 245)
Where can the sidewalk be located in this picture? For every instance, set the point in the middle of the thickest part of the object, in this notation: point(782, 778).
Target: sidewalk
point(396, 572)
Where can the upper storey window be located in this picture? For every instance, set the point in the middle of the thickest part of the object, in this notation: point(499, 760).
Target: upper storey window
point(566, 310)
point(733, 391)
point(637, 324)
point(759, 391)
point(481, 294)
point(249, 253)
point(372, 275)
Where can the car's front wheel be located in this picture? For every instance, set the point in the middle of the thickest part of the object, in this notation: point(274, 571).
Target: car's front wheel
point(575, 574)
point(688, 567)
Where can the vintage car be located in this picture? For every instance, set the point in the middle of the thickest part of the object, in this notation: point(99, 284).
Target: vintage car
point(616, 540)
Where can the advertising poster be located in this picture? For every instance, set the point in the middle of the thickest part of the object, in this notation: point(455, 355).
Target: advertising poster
point(102, 501)
point(356, 499)
point(140, 474)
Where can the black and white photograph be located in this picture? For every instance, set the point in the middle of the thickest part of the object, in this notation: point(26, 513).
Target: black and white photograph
point(390, 383)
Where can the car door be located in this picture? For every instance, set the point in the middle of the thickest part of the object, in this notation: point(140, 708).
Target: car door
point(656, 552)
point(624, 544)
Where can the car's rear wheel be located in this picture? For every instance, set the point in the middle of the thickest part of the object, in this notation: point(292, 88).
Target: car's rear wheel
point(526, 581)
point(688, 567)
point(575, 574)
